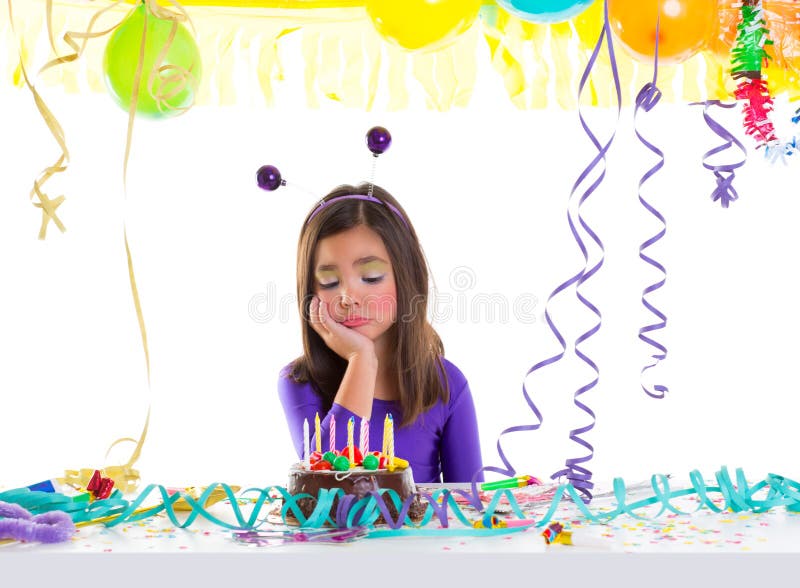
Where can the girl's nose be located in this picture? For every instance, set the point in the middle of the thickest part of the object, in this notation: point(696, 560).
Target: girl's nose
point(349, 296)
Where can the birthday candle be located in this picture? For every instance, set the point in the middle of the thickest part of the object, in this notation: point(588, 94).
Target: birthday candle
point(385, 433)
point(390, 443)
point(350, 426)
point(317, 435)
point(332, 434)
point(305, 441)
point(364, 445)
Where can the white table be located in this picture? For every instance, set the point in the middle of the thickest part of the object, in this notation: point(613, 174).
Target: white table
point(741, 548)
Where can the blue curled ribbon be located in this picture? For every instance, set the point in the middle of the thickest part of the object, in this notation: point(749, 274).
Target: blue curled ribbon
point(725, 173)
point(577, 474)
point(736, 496)
point(646, 100)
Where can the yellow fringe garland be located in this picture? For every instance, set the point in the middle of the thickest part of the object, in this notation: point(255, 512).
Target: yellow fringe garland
point(346, 61)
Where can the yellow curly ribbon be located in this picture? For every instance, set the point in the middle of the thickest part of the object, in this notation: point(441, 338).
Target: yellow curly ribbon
point(126, 472)
point(47, 205)
point(217, 494)
point(173, 80)
point(71, 36)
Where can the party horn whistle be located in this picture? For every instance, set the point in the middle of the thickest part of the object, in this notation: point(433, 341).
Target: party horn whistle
point(518, 482)
point(555, 534)
point(494, 522)
point(45, 486)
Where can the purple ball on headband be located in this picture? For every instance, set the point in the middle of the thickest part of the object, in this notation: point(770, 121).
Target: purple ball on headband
point(378, 140)
point(269, 178)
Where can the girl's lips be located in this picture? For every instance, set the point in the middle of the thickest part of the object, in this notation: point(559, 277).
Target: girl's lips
point(355, 322)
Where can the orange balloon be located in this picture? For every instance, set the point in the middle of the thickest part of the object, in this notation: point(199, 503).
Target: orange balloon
point(684, 27)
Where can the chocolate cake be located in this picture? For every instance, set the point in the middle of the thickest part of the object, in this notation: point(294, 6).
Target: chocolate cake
point(356, 481)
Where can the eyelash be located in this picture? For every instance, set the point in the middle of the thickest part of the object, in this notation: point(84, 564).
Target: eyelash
point(332, 285)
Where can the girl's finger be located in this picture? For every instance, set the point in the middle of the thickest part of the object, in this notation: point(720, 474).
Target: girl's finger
point(312, 308)
point(314, 318)
point(321, 312)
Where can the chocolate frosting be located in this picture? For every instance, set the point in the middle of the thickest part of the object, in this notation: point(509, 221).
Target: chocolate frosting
point(358, 482)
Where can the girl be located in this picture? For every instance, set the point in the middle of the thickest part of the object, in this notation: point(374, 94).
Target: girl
point(368, 348)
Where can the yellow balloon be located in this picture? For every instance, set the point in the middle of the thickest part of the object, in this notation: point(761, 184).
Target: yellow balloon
point(684, 28)
point(422, 24)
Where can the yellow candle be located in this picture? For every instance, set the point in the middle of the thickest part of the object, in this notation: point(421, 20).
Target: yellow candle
point(350, 426)
point(317, 433)
point(390, 444)
point(385, 433)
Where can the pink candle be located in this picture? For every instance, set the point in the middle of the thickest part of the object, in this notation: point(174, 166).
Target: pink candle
point(364, 445)
point(332, 434)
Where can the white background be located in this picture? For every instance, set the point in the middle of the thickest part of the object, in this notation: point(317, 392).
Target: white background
point(487, 189)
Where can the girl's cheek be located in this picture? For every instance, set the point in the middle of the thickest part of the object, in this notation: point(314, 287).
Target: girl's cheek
point(384, 306)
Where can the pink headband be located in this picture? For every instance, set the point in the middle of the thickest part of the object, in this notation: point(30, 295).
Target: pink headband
point(368, 198)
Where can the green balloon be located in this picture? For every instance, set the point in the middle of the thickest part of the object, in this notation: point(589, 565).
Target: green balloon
point(121, 59)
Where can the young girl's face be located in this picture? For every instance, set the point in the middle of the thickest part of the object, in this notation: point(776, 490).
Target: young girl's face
point(353, 275)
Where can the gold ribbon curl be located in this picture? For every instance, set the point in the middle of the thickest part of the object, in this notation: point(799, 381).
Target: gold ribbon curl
point(125, 477)
point(47, 205)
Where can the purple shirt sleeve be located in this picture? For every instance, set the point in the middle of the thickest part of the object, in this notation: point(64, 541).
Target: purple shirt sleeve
point(460, 450)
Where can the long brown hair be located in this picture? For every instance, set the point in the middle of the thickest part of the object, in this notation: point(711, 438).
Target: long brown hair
point(421, 378)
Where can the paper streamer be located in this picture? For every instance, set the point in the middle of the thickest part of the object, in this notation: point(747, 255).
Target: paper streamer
point(723, 173)
point(738, 495)
point(749, 57)
point(783, 149)
point(47, 205)
point(575, 472)
point(124, 476)
point(175, 17)
point(646, 100)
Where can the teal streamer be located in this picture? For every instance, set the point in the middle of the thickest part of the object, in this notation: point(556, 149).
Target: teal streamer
point(734, 494)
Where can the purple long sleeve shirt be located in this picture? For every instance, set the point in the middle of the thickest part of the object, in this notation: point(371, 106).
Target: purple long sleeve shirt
point(442, 441)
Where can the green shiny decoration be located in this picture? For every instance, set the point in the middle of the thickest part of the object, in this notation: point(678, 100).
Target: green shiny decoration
point(341, 464)
point(121, 59)
point(329, 456)
point(371, 462)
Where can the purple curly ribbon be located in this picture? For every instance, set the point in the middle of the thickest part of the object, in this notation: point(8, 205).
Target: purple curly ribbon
point(724, 174)
point(577, 474)
point(646, 100)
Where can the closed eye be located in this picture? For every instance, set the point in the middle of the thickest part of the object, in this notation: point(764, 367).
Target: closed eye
point(368, 280)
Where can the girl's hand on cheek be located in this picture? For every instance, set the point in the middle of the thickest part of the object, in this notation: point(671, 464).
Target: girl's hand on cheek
point(343, 341)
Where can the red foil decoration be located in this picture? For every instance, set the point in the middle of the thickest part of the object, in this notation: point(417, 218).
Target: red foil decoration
point(758, 105)
point(99, 486)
